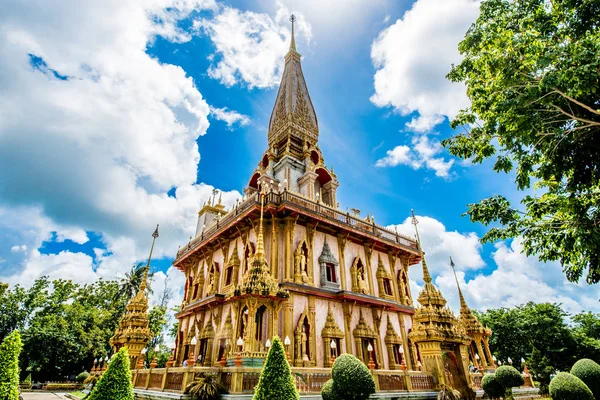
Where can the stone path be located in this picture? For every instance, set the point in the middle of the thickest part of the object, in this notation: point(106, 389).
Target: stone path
point(43, 396)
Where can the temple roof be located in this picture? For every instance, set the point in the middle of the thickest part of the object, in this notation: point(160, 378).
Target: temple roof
point(467, 319)
point(293, 107)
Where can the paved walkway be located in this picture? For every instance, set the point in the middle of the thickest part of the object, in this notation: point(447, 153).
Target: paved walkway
point(43, 396)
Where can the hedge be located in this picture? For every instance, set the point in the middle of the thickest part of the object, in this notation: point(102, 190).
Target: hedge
point(276, 381)
point(565, 386)
point(352, 380)
point(10, 349)
point(327, 391)
point(589, 372)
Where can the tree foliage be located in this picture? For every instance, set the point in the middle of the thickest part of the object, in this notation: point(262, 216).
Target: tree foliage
point(115, 382)
point(541, 369)
point(9, 366)
point(532, 71)
point(205, 386)
point(276, 381)
point(65, 326)
point(543, 326)
point(491, 386)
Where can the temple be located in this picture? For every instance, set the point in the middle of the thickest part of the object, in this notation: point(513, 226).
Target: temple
point(287, 261)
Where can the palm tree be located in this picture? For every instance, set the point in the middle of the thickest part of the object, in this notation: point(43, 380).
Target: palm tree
point(205, 386)
point(130, 283)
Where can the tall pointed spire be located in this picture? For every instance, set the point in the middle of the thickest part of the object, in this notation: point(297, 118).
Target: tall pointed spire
point(463, 303)
point(293, 41)
point(426, 276)
point(144, 283)
point(260, 245)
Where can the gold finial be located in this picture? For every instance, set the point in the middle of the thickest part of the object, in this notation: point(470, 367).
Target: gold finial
point(463, 303)
point(145, 278)
point(293, 41)
point(426, 276)
point(260, 246)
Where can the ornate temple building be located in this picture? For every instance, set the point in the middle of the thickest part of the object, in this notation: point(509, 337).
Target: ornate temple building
point(287, 261)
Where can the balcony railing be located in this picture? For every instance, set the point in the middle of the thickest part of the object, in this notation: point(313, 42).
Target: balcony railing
point(304, 204)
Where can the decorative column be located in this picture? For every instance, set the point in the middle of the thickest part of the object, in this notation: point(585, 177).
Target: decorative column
point(488, 353)
point(341, 248)
point(274, 248)
point(288, 237)
point(408, 355)
point(288, 328)
point(480, 352)
point(368, 254)
point(347, 320)
point(392, 267)
point(313, 331)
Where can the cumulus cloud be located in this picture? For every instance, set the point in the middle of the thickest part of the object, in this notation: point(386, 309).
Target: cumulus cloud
point(230, 117)
point(425, 153)
point(95, 133)
point(249, 45)
point(413, 56)
point(512, 279)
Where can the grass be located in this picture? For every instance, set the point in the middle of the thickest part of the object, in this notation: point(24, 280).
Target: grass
point(78, 393)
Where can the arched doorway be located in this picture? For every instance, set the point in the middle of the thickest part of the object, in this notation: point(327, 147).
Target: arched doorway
point(452, 372)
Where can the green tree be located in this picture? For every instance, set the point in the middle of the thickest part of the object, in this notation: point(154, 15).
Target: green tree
point(9, 366)
point(352, 380)
point(508, 377)
point(491, 386)
point(115, 383)
point(276, 381)
point(543, 326)
point(130, 283)
point(532, 71)
point(18, 305)
point(589, 372)
point(565, 386)
point(541, 369)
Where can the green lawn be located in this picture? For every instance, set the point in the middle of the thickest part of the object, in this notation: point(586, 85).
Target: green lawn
point(78, 393)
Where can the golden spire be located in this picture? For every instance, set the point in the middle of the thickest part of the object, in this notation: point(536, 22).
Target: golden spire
point(145, 278)
point(293, 41)
point(260, 246)
point(426, 276)
point(463, 303)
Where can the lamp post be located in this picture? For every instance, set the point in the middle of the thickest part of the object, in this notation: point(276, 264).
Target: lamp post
point(525, 369)
point(154, 362)
point(333, 346)
point(105, 364)
point(477, 358)
point(223, 360)
point(191, 359)
point(402, 362)
point(94, 367)
point(238, 357)
point(419, 365)
point(509, 360)
point(287, 343)
point(171, 360)
point(267, 346)
point(371, 362)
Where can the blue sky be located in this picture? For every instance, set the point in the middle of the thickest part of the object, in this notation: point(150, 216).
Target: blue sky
point(121, 115)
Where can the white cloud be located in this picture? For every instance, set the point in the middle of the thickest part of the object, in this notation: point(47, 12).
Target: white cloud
point(249, 45)
point(76, 235)
point(439, 244)
point(513, 279)
point(424, 154)
point(413, 56)
point(100, 150)
point(18, 249)
point(230, 117)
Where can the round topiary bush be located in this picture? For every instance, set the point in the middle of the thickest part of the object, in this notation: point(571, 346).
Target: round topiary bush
point(82, 377)
point(352, 380)
point(508, 377)
point(327, 392)
point(491, 386)
point(565, 386)
point(589, 372)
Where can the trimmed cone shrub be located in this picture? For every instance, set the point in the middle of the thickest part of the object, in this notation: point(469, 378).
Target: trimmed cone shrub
point(115, 383)
point(327, 391)
point(276, 381)
point(10, 349)
point(565, 386)
point(509, 378)
point(589, 372)
point(352, 380)
point(491, 386)
point(82, 377)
